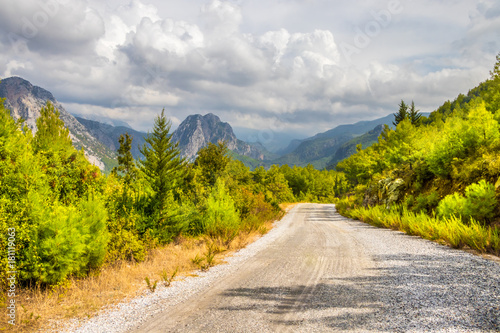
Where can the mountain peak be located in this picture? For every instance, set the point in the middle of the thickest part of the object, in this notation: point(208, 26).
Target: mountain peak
point(13, 87)
point(196, 131)
point(207, 118)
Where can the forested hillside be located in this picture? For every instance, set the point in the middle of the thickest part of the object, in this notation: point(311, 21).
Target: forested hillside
point(323, 150)
point(438, 177)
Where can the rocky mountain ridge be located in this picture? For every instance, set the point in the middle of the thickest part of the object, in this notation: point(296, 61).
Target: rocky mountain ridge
point(25, 101)
point(196, 131)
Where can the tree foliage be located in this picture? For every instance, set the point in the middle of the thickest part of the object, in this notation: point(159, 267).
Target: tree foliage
point(126, 162)
point(162, 164)
point(402, 113)
point(212, 160)
point(495, 73)
point(46, 195)
point(51, 133)
point(451, 158)
point(414, 115)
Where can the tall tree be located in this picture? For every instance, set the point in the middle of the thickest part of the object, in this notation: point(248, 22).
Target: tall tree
point(495, 73)
point(402, 113)
point(162, 163)
point(51, 133)
point(126, 163)
point(69, 173)
point(414, 114)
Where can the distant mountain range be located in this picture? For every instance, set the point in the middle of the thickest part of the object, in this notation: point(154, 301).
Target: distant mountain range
point(103, 120)
point(100, 138)
point(349, 148)
point(319, 149)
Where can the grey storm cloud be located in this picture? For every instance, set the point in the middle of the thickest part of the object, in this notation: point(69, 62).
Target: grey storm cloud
point(281, 65)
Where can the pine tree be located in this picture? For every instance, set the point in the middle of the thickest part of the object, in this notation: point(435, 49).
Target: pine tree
point(126, 163)
point(414, 115)
point(495, 73)
point(162, 163)
point(51, 133)
point(402, 113)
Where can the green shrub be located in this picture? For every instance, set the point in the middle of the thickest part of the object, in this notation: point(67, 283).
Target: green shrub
point(451, 205)
point(259, 211)
point(426, 203)
point(221, 218)
point(69, 241)
point(92, 222)
point(481, 202)
point(125, 245)
point(60, 246)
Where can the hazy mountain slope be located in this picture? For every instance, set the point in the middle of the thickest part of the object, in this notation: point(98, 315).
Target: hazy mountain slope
point(359, 128)
point(349, 148)
point(102, 119)
point(109, 135)
point(319, 149)
point(316, 152)
point(352, 130)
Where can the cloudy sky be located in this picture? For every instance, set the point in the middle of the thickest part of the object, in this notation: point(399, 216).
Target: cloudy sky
point(301, 66)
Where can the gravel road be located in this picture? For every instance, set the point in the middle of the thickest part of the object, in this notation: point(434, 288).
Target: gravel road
point(317, 271)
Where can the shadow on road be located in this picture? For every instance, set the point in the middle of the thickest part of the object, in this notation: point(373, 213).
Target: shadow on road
point(414, 292)
point(291, 305)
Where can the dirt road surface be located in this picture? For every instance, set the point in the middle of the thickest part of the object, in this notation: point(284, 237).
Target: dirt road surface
point(326, 273)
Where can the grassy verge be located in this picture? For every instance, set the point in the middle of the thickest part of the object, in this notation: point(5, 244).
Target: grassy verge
point(450, 231)
point(39, 309)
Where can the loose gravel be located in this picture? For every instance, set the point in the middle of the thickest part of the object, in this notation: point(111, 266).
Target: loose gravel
point(412, 285)
point(427, 287)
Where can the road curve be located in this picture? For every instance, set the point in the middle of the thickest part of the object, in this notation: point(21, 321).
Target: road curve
point(326, 273)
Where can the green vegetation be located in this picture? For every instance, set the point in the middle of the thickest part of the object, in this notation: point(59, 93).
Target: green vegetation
point(51, 195)
point(70, 219)
point(317, 152)
point(438, 177)
point(451, 230)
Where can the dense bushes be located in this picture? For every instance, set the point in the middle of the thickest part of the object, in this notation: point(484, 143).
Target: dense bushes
point(221, 218)
point(69, 241)
point(47, 196)
point(438, 160)
point(479, 203)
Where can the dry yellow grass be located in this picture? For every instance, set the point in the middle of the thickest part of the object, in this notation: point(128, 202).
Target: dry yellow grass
point(83, 298)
